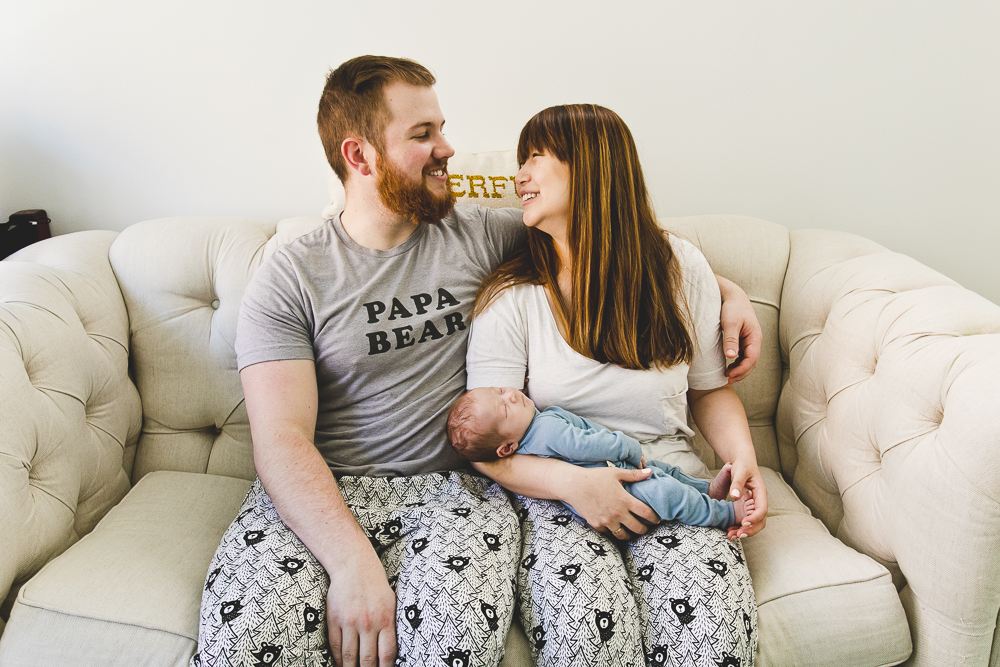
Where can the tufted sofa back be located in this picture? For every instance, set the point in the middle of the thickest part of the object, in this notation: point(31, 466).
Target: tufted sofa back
point(69, 415)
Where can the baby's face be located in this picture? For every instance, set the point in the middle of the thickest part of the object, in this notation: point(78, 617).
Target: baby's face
point(510, 410)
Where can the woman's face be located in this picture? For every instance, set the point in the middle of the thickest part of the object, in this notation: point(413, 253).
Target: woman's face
point(543, 184)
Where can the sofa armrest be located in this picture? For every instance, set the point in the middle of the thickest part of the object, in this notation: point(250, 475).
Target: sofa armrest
point(892, 407)
point(68, 411)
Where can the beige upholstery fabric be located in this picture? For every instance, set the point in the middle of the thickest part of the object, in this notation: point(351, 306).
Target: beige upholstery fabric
point(68, 412)
point(136, 579)
point(183, 307)
point(892, 407)
point(753, 254)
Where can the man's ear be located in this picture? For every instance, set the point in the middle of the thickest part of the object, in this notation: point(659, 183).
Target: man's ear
point(358, 155)
point(506, 449)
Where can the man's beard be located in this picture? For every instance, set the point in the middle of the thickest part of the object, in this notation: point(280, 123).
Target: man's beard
point(414, 200)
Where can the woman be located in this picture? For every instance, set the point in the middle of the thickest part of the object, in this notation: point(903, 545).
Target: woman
point(613, 320)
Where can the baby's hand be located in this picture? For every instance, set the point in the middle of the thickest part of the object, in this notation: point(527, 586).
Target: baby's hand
point(642, 462)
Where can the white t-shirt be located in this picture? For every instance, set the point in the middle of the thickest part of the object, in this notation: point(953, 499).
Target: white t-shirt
point(517, 337)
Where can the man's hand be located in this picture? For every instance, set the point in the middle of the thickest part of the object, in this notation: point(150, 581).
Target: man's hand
point(748, 478)
point(361, 615)
point(741, 333)
point(598, 496)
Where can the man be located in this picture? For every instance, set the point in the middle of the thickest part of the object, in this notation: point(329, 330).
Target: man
point(364, 525)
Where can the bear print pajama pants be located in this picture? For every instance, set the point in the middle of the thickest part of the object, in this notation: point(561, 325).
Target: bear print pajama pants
point(449, 544)
point(679, 595)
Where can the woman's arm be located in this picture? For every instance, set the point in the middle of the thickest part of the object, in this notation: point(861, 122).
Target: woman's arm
point(595, 493)
point(740, 330)
point(721, 419)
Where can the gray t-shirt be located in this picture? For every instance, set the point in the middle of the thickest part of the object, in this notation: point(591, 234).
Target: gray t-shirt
point(386, 328)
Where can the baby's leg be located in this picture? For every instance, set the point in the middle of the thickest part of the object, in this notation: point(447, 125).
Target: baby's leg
point(719, 487)
point(574, 597)
point(674, 499)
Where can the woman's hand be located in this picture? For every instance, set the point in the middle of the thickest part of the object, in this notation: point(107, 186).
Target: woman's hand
point(747, 479)
point(741, 332)
point(597, 495)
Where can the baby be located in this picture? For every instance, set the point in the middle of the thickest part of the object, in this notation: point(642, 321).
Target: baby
point(490, 423)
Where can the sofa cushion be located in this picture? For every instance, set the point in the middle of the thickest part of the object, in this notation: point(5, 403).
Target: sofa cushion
point(136, 581)
point(819, 602)
point(132, 588)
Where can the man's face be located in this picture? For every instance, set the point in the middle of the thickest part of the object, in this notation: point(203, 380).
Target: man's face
point(412, 169)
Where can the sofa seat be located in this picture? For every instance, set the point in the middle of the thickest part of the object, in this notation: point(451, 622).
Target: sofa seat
point(134, 585)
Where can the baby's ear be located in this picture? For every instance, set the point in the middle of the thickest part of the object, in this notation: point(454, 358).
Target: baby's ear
point(506, 449)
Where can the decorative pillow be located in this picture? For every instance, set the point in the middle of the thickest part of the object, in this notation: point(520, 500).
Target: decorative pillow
point(486, 179)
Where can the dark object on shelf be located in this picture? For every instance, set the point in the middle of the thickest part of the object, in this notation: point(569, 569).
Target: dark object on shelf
point(23, 229)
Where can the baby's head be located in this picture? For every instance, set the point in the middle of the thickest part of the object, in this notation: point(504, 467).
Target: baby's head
point(488, 423)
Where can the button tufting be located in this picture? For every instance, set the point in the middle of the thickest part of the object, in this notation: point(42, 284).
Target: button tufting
point(215, 304)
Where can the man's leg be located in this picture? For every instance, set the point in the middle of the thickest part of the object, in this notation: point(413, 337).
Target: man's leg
point(696, 599)
point(264, 600)
point(449, 544)
point(575, 600)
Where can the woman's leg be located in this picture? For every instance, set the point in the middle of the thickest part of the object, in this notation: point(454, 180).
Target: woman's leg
point(574, 598)
point(264, 600)
point(696, 600)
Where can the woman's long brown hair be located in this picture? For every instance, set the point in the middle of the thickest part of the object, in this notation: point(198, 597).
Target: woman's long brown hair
point(628, 307)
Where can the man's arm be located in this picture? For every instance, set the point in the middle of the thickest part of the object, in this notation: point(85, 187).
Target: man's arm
point(281, 401)
point(740, 330)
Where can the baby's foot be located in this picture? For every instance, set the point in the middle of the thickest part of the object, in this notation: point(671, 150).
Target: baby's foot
point(718, 488)
point(743, 507)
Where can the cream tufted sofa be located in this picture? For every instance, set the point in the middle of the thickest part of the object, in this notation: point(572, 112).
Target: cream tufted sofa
point(125, 450)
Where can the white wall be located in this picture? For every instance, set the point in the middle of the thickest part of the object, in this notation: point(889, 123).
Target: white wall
point(879, 118)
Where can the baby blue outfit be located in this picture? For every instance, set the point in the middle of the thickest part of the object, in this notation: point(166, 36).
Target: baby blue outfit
point(673, 495)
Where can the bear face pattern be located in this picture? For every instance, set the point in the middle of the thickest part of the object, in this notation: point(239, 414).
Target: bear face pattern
point(605, 625)
point(538, 637)
point(561, 520)
point(412, 615)
point(529, 561)
point(230, 610)
point(668, 541)
point(461, 511)
point(456, 563)
point(212, 576)
point(492, 541)
point(645, 572)
point(310, 615)
point(290, 565)
point(598, 549)
point(718, 567)
point(682, 609)
point(456, 658)
point(569, 573)
point(736, 553)
point(658, 656)
point(252, 537)
point(267, 655)
point(729, 661)
point(419, 544)
point(490, 614)
point(747, 626)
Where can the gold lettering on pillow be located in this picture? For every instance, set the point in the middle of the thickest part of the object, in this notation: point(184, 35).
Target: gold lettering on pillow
point(498, 180)
point(477, 181)
point(455, 182)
